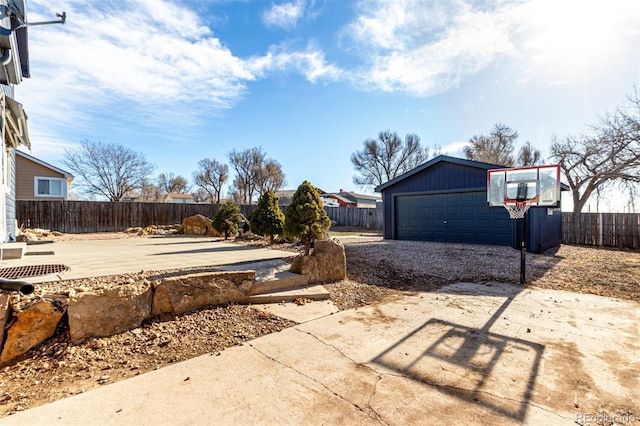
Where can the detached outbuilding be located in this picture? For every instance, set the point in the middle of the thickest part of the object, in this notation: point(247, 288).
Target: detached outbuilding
point(445, 200)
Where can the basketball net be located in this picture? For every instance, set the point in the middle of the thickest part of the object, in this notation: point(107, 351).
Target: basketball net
point(518, 209)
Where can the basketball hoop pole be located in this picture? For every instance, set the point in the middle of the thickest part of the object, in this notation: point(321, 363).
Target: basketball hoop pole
point(523, 250)
point(518, 210)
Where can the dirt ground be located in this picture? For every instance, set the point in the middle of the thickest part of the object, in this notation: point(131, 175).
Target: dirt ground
point(376, 269)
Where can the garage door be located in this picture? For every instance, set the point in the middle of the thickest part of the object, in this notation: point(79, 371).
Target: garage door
point(459, 218)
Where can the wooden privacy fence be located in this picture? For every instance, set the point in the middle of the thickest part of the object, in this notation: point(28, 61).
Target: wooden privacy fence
point(78, 217)
point(602, 229)
point(356, 217)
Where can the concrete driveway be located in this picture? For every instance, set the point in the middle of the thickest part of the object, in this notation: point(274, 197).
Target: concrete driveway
point(90, 258)
point(467, 354)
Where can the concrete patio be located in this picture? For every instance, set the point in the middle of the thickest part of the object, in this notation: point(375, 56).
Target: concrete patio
point(468, 354)
point(98, 257)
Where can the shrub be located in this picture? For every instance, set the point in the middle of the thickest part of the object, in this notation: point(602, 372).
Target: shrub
point(305, 217)
point(267, 219)
point(227, 219)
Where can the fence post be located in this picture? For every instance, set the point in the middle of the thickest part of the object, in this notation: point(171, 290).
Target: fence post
point(600, 230)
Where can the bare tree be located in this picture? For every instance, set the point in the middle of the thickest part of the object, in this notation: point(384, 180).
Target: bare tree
point(496, 148)
point(107, 169)
point(149, 192)
point(633, 194)
point(609, 153)
point(244, 163)
point(387, 157)
point(201, 196)
point(210, 177)
point(269, 177)
point(235, 195)
point(528, 156)
point(255, 174)
point(437, 151)
point(171, 184)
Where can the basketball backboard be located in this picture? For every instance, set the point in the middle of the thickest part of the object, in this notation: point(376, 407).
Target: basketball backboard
point(537, 186)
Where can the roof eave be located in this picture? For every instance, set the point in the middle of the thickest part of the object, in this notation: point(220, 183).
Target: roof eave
point(434, 161)
point(66, 174)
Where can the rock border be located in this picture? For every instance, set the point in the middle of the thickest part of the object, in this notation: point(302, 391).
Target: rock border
point(108, 311)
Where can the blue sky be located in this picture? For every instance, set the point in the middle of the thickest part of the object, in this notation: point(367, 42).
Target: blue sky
point(309, 81)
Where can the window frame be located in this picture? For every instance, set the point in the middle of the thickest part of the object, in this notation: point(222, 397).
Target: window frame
point(63, 187)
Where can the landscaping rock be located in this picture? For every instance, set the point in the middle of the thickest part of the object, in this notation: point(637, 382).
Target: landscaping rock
point(5, 311)
point(199, 225)
point(327, 262)
point(34, 324)
point(185, 293)
point(26, 236)
point(106, 312)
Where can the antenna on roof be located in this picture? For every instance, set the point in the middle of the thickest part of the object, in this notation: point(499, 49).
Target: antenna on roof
point(11, 10)
point(62, 16)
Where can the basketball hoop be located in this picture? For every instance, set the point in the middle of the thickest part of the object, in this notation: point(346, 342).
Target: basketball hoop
point(517, 189)
point(518, 209)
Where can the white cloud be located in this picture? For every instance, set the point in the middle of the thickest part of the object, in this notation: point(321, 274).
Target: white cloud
point(424, 48)
point(143, 60)
point(284, 15)
point(565, 39)
point(311, 63)
point(454, 148)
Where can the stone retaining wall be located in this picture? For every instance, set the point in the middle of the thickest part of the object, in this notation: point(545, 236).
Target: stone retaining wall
point(109, 311)
point(105, 312)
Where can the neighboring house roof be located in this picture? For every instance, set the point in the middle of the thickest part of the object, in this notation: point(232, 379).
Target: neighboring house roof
point(355, 196)
point(285, 193)
point(340, 198)
point(66, 174)
point(178, 196)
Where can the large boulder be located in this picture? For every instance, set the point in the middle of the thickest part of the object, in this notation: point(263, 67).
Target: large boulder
point(106, 312)
point(35, 322)
point(327, 262)
point(185, 293)
point(5, 312)
point(199, 225)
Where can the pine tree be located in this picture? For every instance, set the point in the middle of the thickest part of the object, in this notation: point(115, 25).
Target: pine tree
point(227, 219)
point(305, 217)
point(267, 218)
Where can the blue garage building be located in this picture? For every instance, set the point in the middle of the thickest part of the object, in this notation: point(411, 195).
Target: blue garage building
point(445, 200)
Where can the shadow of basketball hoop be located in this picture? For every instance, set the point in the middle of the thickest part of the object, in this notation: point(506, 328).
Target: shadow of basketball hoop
point(492, 370)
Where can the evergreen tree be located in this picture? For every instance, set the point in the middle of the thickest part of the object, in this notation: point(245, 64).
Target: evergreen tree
point(305, 217)
point(227, 219)
point(267, 218)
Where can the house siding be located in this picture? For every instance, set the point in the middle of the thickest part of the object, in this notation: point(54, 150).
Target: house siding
point(441, 177)
point(7, 90)
point(10, 198)
point(445, 200)
point(9, 192)
point(27, 170)
point(366, 204)
point(20, 54)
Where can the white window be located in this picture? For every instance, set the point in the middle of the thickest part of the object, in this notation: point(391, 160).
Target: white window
point(50, 187)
